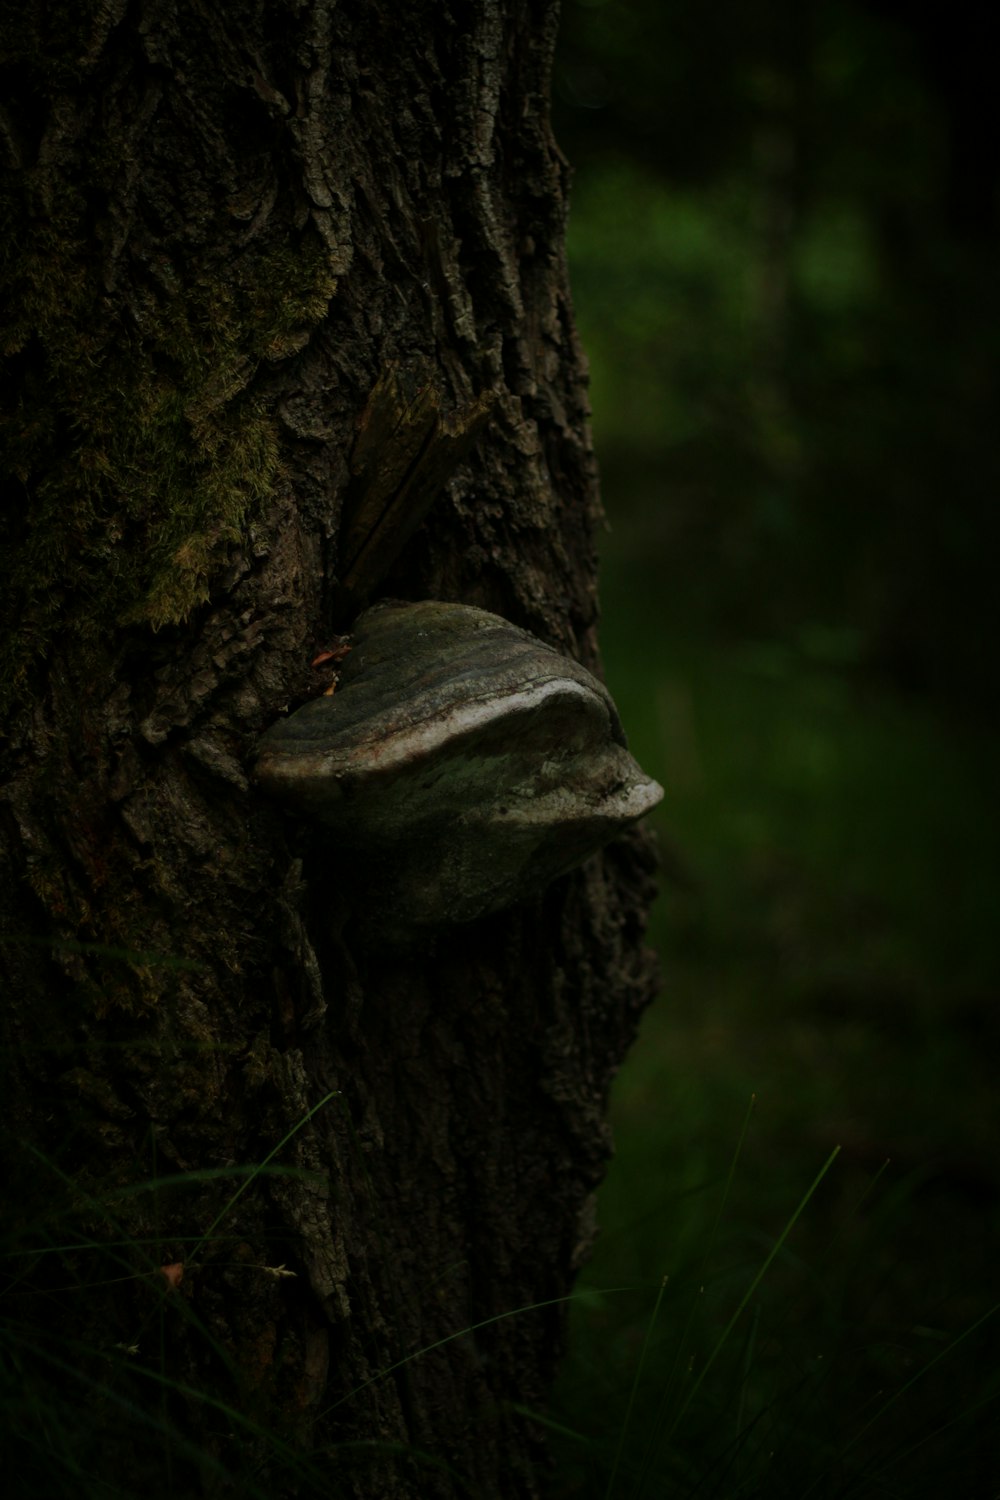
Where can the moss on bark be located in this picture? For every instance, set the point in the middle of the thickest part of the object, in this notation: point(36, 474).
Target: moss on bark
point(136, 447)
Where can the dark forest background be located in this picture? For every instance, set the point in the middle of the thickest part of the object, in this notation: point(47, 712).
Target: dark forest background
point(784, 243)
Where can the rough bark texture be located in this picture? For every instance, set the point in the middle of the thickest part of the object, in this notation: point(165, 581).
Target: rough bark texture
point(271, 270)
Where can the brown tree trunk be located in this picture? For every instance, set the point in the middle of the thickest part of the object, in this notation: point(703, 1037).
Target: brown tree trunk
point(269, 271)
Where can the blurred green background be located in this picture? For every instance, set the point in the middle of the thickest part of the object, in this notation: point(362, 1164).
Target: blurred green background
point(783, 246)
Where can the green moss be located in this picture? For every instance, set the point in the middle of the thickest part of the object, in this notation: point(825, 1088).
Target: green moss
point(135, 447)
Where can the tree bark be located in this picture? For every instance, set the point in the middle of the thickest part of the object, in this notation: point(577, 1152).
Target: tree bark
point(287, 327)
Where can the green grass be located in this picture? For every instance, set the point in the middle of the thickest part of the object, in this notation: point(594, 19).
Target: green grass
point(70, 1397)
point(97, 1411)
point(826, 927)
point(94, 1408)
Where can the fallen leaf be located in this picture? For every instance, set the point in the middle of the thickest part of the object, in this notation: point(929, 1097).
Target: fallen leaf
point(336, 652)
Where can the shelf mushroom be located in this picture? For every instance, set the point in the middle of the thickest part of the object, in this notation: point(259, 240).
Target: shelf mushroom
point(462, 764)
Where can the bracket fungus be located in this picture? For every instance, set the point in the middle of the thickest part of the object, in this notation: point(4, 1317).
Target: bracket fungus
point(462, 764)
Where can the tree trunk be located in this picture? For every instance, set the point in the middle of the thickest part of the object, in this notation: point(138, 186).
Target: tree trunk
point(276, 278)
